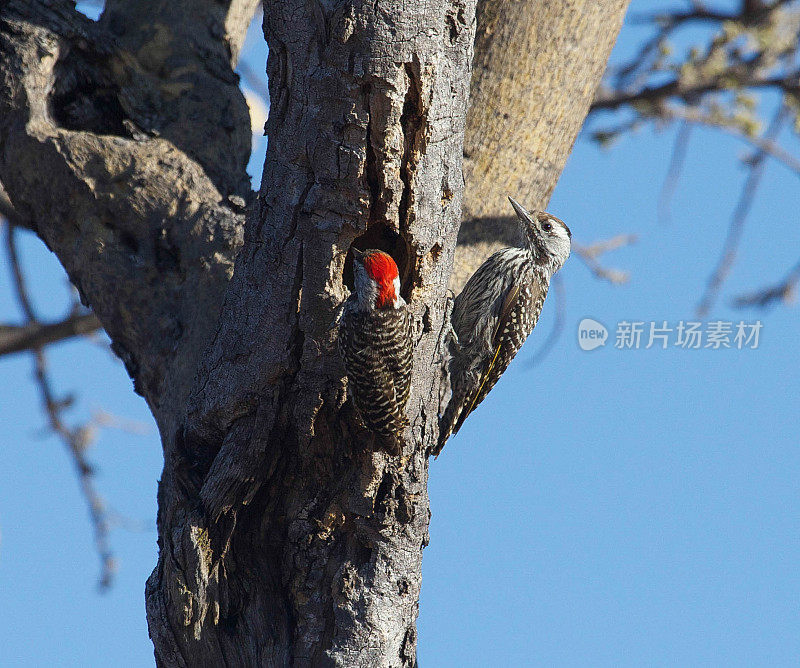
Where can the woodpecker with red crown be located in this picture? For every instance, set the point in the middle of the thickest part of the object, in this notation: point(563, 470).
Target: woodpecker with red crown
point(375, 342)
point(497, 310)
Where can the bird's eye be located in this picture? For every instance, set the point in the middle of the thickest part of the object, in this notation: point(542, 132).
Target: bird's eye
point(547, 227)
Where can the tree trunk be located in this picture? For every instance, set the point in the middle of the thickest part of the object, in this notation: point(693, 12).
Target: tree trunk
point(537, 66)
point(285, 536)
point(276, 511)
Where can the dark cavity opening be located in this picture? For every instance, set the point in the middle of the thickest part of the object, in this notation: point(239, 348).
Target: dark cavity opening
point(85, 98)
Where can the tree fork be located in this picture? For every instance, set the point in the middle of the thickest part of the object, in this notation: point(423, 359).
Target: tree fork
point(285, 538)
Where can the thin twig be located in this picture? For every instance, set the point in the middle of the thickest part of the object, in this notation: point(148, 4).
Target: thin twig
point(736, 227)
point(623, 74)
point(23, 338)
point(599, 248)
point(589, 255)
point(674, 170)
point(110, 421)
point(131, 524)
point(76, 439)
point(764, 144)
point(784, 292)
point(696, 15)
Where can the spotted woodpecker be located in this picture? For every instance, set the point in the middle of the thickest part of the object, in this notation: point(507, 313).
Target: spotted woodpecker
point(375, 343)
point(497, 310)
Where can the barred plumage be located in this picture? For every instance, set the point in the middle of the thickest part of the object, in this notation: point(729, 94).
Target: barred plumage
point(375, 343)
point(497, 310)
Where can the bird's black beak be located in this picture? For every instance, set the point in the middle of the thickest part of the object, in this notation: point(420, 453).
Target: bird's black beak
point(522, 213)
point(358, 255)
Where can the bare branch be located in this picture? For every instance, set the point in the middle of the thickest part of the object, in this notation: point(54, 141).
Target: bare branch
point(736, 227)
point(32, 336)
point(754, 10)
point(726, 63)
point(131, 524)
point(589, 255)
point(744, 76)
point(784, 292)
point(673, 172)
point(108, 420)
point(672, 19)
point(76, 439)
point(767, 146)
point(599, 248)
point(748, 48)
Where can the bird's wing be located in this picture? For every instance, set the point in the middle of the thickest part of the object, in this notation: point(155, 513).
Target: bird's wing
point(480, 313)
point(535, 292)
point(507, 339)
point(506, 305)
point(485, 292)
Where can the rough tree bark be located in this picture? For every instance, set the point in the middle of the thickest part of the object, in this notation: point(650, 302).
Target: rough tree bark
point(285, 538)
point(282, 516)
point(90, 157)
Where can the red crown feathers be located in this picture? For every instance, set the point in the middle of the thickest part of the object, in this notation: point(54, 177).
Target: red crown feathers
point(381, 268)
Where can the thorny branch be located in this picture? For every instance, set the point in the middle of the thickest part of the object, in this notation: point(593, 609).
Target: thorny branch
point(76, 439)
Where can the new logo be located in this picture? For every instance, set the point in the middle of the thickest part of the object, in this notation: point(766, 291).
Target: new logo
point(591, 334)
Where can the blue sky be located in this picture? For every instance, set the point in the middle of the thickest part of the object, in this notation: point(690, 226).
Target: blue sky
point(612, 507)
